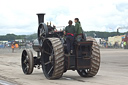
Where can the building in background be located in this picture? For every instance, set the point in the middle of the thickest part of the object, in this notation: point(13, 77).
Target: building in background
point(125, 40)
point(116, 41)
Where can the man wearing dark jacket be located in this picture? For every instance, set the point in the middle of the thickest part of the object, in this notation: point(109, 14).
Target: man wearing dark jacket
point(78, 29)
point(70, 31)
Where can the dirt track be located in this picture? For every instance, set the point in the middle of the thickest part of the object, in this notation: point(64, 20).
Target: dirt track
point(113, 70)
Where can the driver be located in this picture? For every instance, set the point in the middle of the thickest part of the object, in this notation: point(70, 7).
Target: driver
point(70, 31)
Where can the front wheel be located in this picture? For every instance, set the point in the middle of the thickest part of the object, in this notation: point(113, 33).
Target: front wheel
point(27, 61)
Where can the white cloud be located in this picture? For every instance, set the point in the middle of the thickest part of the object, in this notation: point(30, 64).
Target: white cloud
point(19, 16)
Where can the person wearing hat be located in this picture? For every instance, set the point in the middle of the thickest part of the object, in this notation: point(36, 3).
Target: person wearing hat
point(69, 32)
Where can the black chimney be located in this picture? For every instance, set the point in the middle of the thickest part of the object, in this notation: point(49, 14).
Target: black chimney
point(40, 17)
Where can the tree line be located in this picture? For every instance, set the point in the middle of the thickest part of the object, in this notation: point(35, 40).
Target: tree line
point(97, 34)
point(12, 37)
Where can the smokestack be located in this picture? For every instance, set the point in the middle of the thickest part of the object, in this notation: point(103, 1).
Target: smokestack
point(41, 17)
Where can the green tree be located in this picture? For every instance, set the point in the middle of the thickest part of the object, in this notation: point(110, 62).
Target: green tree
point(10, 37)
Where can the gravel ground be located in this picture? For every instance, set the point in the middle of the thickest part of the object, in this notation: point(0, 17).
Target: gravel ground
point(113, 70)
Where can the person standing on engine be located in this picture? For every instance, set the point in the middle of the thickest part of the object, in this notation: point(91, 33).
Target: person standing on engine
point(78, 29)
point(69, 32)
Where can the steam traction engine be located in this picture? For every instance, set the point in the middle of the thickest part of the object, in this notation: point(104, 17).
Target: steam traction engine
point(51, 54)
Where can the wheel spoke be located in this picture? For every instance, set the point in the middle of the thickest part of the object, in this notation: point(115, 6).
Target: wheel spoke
point(52, 54)
point(41, 34)
point(40, 31)
point(25, 61)
point(80, 70)
point(24, 54)
point(49, 46)
point(50, 70)
point(48, 62)
point(47, 52)
point(84, 72)
point(26, 69)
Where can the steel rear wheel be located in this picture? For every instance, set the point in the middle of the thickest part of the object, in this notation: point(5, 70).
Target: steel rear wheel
point(27, 61)
point(52, 58)
point(95, 61)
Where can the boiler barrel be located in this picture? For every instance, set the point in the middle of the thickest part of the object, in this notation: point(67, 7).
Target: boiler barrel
point(36, 46)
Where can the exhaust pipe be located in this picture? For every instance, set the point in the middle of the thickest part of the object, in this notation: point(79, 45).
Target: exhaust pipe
point(40, 18)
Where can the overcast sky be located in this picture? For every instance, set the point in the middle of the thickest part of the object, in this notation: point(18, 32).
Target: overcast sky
point(19, 16)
